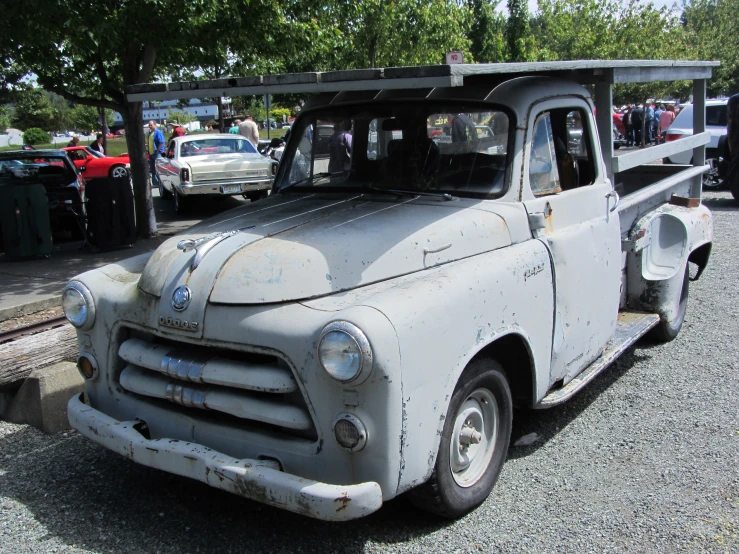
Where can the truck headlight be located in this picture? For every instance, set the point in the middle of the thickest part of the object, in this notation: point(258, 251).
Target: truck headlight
point(344, 352)
point(78, 305)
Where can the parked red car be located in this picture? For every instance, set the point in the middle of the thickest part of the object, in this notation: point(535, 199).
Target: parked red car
point(96, 164)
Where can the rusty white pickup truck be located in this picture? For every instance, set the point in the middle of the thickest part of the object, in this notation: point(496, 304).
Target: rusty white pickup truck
point(368, 329)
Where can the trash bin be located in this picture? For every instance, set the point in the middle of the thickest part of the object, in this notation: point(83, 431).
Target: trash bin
point(110, 213)
point(24, 218)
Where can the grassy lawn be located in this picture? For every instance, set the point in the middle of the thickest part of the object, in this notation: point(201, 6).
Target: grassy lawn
point(116, 146)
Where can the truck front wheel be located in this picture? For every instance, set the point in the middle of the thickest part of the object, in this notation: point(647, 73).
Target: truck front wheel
point(474, 443)
point(665, 331)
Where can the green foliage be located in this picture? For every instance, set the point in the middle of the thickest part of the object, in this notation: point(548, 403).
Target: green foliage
point(487, 32)
point(180, 116)
point(4, 118)
point(519, 40)
point(62, 119)
point(32, 109)
point(34, 135)
point(713, 27)
point(277, 113)
point(87, 118)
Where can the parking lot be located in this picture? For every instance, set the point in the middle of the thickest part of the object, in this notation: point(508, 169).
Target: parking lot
point(645, 459)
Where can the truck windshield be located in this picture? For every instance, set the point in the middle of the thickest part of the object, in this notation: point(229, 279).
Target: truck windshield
point(423, 147)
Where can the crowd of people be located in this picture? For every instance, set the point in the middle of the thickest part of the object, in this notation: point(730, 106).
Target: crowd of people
point(653, 120)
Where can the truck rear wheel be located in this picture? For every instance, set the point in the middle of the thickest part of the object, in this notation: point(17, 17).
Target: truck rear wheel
point(665, 331)
point(474, 443)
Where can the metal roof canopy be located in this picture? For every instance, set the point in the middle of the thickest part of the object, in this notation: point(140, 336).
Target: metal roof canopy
point(608, 72)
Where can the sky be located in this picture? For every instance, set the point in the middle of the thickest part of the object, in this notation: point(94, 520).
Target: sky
point(533, 4)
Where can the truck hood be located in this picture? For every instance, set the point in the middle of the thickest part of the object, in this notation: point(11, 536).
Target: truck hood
point(293, 247)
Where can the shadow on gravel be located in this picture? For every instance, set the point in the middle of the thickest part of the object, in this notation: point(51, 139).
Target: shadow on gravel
point(89, 498)
point(717, 204)
point(548, 423)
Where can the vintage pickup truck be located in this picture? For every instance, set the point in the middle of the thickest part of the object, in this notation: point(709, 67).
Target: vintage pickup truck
point(367, 332)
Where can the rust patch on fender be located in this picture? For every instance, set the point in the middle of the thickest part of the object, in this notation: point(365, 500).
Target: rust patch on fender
point(344, 500)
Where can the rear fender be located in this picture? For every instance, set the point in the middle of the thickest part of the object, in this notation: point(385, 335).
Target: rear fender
point(658, 247)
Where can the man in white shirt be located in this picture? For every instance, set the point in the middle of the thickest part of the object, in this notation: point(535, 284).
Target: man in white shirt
point(249, 129)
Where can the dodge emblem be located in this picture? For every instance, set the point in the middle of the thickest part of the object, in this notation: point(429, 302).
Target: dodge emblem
point(181, 298)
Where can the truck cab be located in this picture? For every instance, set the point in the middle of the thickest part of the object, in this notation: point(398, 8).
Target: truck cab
point(367, 330)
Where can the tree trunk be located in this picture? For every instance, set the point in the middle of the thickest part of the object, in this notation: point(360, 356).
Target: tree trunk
point(221, 125)
point(146, 223)
point(104, 123)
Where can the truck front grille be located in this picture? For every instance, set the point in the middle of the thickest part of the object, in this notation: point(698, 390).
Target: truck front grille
point(247, 388)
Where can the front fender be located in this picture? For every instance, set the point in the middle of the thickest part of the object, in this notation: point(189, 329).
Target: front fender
point(443, 318)
point(659, 246)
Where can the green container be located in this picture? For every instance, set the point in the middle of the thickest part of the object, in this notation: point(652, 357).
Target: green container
point(24, 219)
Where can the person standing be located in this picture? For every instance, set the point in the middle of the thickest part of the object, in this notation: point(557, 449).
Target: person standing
point(234, 129)
point(648, 123)
point(628, 126)
point(249, 129)
point(340, 148)
point(156, 149)
point(637, 118)
point(177, 131)
point(74, 142)
point(665, 119)
point(98, 144)
point(655, 126)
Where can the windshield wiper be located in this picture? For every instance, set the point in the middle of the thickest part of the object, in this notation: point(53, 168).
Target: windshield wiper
point(315, 177)
point(404, 192)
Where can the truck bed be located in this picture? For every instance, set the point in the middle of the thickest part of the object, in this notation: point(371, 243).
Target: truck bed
point(646, 187)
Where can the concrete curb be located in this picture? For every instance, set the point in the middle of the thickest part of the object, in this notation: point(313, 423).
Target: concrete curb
point(42, 399)
point(30, 307)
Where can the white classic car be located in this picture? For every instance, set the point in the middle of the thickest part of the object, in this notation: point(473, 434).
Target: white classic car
point(220, 164)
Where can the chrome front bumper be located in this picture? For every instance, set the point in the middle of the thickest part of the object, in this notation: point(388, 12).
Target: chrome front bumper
point(214, 187)
point(259, 480)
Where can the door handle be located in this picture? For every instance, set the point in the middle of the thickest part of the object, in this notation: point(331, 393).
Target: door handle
point(612, 194)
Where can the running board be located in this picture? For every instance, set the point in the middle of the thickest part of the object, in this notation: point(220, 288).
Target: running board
point(630, 327)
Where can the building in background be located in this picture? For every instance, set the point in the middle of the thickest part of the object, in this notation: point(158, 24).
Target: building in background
point(159, 111)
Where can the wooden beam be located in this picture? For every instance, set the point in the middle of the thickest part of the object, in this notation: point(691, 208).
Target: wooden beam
point(699, 126)
point(653, 153)
point(604, 120)
point(19, 357)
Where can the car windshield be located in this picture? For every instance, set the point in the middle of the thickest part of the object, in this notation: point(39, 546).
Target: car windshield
point(430, 147)
point(204, 147)
point(94, 153)
point(39, 168)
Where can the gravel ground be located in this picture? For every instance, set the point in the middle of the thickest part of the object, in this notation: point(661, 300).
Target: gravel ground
point(644, 460)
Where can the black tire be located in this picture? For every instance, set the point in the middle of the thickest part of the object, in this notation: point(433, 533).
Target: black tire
point(118, 171)
point(163, 192)
point(256, 195)
point(666, 331)
point(442, 494)
point(181, 203)
point(711, 180)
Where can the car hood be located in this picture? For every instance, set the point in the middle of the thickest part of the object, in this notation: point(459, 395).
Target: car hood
point(294, 247)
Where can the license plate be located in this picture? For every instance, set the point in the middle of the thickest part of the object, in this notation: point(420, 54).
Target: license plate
point(229, 189)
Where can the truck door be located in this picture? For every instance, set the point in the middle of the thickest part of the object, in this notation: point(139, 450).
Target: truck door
point(571, 204)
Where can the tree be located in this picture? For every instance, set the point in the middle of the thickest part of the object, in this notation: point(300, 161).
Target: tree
point(487, 33)
point(180, 116)
point(712, 26)
point(62, 112)
point(4, 118)
point(32, 109)
point(89, 51)
point(87, 118)
point(519, 40)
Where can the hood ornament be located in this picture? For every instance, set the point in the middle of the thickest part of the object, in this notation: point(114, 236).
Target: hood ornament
point(204, 244)
point(181, 298)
